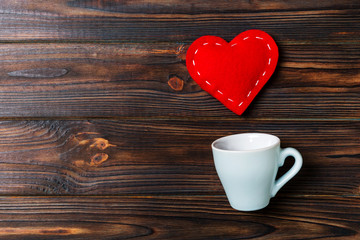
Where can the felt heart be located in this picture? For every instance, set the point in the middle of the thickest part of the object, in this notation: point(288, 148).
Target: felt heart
point(234, 72)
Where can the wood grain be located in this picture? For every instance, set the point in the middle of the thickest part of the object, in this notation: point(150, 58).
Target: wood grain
point(163, 21)
point(115, 80)
point(103, 7)
point(114, 112)
point(222, 6)
point(177, 217)
point(164, 156)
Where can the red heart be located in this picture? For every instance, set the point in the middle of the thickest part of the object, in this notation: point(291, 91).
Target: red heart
point(234, 72)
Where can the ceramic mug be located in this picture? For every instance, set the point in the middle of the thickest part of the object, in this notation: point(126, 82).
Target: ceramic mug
point(247, 165)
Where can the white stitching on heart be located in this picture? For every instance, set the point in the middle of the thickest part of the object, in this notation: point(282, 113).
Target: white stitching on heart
point(257, 82)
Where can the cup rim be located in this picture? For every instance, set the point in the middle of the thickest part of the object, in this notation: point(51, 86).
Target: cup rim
point(277, 142)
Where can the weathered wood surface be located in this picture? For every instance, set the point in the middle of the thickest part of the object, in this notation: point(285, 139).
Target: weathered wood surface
point(175, 21)
point(177, 217)
point(83, 7)
point(114, 112)
point(163, 156)
point(116, 80)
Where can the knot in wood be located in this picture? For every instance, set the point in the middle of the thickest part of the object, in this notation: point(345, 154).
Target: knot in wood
point(98, 158)
point(176, 83)
point(101, 143)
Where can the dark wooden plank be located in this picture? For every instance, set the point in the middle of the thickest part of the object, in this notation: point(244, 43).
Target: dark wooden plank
point(115, 80)
point(197, 7)
point(164, 156)
point(177, 217)
point(161, 21)
point(111, 7)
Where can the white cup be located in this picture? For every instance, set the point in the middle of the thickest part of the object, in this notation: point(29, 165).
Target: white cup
point(247, 165)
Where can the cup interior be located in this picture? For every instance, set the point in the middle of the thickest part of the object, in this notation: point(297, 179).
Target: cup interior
point(246, 142)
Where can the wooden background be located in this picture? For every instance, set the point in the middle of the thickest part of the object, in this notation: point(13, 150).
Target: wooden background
point(104, 135)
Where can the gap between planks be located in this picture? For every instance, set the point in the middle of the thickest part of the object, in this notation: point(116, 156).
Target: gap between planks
point(136, 42)
point(179, 195)
point(164, 118)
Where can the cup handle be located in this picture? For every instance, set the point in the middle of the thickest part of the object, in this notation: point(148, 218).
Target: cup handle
point(284, 153)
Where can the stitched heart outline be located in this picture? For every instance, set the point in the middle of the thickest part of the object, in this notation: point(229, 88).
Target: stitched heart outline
point(234, 72)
